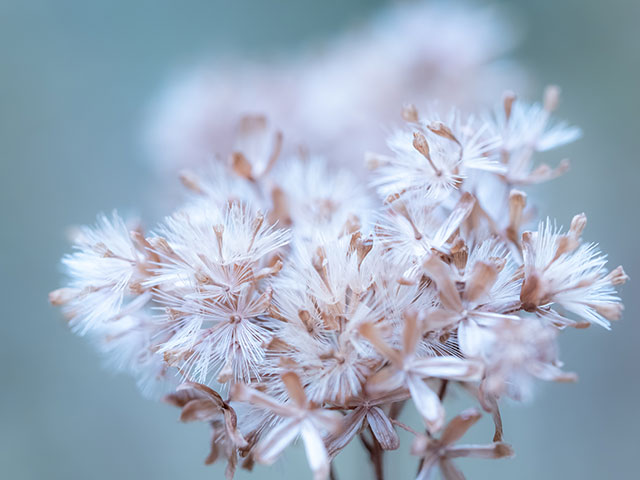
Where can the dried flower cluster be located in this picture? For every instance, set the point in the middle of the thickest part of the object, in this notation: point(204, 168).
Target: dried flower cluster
point(292, 293)
point(335, 96)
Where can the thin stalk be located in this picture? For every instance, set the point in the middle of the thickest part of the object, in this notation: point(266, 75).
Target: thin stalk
point(375, 454)
point(443, 389)
point(332, 473)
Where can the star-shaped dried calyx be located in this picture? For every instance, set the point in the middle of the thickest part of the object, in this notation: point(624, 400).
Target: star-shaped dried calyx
point(367, 411)
point(407, 370)
point(466, 308)
point(438, 453)
point(300, 418)
point(200, 403)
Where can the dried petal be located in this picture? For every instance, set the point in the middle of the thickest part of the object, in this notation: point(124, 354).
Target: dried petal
point(316, 452)
point(352, 423)
point(427, 403)
point(451, 368)
point(382, 429)
point(441, 275)
point(459, 425)
point(495, 450)
point(450, 471)
point(481, 279)
point(294, 388)
point(279, 438)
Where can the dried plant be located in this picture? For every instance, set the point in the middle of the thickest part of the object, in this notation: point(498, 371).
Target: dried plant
point(287, 299)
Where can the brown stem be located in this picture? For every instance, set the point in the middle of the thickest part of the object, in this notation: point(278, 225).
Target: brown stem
point(396, 409)
point(377, 458)
point(366, 443)
point(497, 419)
point(332, 473)
point(403, 426)
point(375, 454)
point(443, 389)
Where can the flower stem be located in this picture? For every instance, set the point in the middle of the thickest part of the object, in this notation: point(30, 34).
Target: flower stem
point(332, 473)
point(375, 454)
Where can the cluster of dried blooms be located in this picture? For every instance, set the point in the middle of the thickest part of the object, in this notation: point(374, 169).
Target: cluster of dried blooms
point(287, 300)
point(335, 97)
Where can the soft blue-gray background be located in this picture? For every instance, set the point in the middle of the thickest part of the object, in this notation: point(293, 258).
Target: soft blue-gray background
point(75, 81)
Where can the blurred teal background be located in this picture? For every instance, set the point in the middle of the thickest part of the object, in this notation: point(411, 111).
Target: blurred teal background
point(76, 80)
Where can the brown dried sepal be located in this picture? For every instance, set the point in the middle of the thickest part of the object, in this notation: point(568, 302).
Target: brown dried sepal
point(443, 131)
point(200, 403)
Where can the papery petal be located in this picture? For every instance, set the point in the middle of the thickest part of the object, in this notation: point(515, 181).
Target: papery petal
point(184, 393)
point(231, 427)
point(201, 410)
point(326, 420)
point(441, 274)
point(471, 338)
point(459, 213)
point(294, 388)
point(493, 450)
point(551, 373)
point(232, 463)
point(491, 405)
point(386, 380)
point(482, 277)
point(243, 393)
point(451, 368)
point(372, 334)
point(450, 471)
point(272, 445)
point(410, 333)
point(427, 402)
point(204, 390)
point(316, 451)
point(351, 425)
point(383, 429)
point(440, 319)
point(428, 469)
point(214, 452)
point(459, 425)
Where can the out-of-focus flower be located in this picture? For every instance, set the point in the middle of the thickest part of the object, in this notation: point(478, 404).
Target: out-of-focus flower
point(522, 351)
point(334, 100)
point(524, 129)
point(107, 274)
